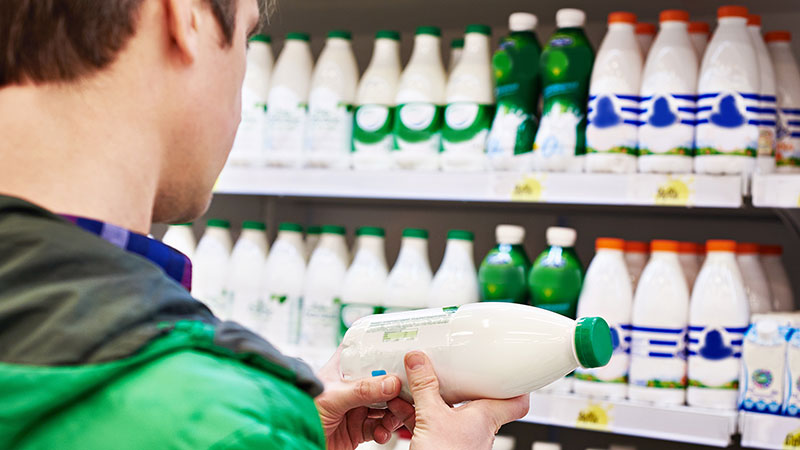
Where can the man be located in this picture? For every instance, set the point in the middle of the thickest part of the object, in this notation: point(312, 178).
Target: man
point(115, 114)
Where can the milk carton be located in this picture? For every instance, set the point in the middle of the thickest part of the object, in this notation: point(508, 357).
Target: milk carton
point(645, 34)
point(365, 283)
point(248, 146)
point(409, 281)
point(779, 286)
point(763, 367)
point(278, 316)
point(767, 112)
point(181, 238)
point(698, 33)
point(456, 281)
point(755, 281)
point(210, 267)
point(788, 81)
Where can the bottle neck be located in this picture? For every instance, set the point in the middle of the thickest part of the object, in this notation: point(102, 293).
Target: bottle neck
point(337, 44)
point(386, 53)
point(373, 245)
point(476, 47)
point(732, 22)
point(426, 50)
point(721, 257)
point(294, 238)
point(414, 245)
point(332, 241)
point(220, 234)
point(256, 236)
point(259, 54)
point(458, 249)
point(664, 256)
point(674, 25)
point(295, 46)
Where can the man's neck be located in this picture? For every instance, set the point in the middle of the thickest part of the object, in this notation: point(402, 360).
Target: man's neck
point(75, 151)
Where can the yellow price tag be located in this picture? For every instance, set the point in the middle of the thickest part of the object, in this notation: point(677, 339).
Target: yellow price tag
point(673, 192)
point(792, 440)
point(529, 189)
point(595, 417)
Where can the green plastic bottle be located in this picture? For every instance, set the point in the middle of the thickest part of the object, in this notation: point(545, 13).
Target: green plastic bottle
point(517, 85)
point(556, 277)
point(503, 275)
point(565, 68)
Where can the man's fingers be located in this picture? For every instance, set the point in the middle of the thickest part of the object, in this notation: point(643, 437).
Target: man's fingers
point(422, 380)
point(400, 409)
point(500, 412)
point(391, 422)
point(376, 413)
point(356, 419)
point(367, 391)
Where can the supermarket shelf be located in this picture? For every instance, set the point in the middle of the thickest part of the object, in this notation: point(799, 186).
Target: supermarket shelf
point(680, 423)
point(776, 191)
point(769, 431)
point(688, 190)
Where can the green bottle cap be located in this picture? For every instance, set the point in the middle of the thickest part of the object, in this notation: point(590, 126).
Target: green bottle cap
point(388, 34)
point(433, 31)
point(187, 224)
point(333, 229)
point(593, 343)
point(457, 43)
point(290, 226)
point(219, 223)
point(261, 38)
point(415, 233)
point(481, 29)
point(298, 36)
point(463, 235)
point(253, 225)
point(370, 231)
point(314, 229)
point(340, 34)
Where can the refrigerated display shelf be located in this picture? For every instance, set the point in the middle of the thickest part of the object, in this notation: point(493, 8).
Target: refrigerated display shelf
point(689, 190)
point(776, 191)
point(769, 431)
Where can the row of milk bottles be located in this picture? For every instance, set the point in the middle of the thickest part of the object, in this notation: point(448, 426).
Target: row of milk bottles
point(678, 333)
point(733, 110)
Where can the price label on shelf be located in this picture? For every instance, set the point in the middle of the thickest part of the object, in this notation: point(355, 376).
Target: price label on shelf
point(529, 189)
point(792, 440)
point(594, 416)
point(675, 191)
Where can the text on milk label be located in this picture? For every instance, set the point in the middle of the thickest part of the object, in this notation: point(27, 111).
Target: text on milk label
point(616, 371)
point(466, 126)
point(349, 313)
point(667, 125)
point(372, 130)
point(788, 137)
point(409, 325)
point(418, 127)
point(658, 357)
point(330, 122)
point(727, 124)
point(611, 124)
point(714, 354)
point(285, 120)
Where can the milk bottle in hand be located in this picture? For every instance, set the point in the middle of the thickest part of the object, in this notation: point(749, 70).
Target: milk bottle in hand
point(248, 146)
point(211, 265)
point(181, 238)
point(245, 275)
point(782, 296)
point(788, 81)
point(284, 276)
point(365, 282)
point(698, 33)
point(456, 281)
point(645, 34)
point(767, 114)
point(410, 279)
point(755, 281)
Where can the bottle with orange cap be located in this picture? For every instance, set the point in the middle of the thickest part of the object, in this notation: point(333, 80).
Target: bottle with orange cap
point(645, 33)
point(689, 258)
point(719, 315)
point(698, 33)
point(726, 138)
point(636, 255)
point(787, 153)
point(767, 114)
point(613, 114)
point(782, 296)
point(607, 292)
point(659, 320)
point(755, 280)
point(669, 87)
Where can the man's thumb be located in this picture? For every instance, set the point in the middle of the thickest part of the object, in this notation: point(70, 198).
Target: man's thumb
point(422, 380)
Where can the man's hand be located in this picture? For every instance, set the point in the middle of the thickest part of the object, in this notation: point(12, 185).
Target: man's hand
point(436, 425)
point(344, 408)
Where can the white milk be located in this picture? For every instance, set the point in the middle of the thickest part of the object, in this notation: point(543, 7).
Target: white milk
point(791, 404)
point(613, 113)
point(607, 293)
point(248, 146)
point(504, 443)
point(669, 86)
point(660, 317)
point(181, 238)
point(319, 318)
point(312, 239)
point(480, 350)
point(456, 281)
point(330, 104)
point(788, 80)
point(645, 34)
point(726, 136)
point(636, 255)
point(288, 103)
point(245, 273)
point(409, 281)
point(763, 367)
point(718, 318)
point(365, 283)
point(283, 280)
point(698, 33)
point(755, 280)
point(689, 258)
point(470, 98)
point(210, 267)
point(767, 113)
point(420, 99)
point(375, 110)
point(782, 296)
point(456, 50)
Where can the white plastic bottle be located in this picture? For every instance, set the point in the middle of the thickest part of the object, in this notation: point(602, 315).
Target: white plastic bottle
point(636, 256)
point(764, 372)
point(365, 282)
point(245, 274)
point(420, 100)
point(782, 296)
point(322, 290)
point(248, 146)
point(607, 292)
point(726, 136)
point(456, 50)
point(611, 135)
point(698, 33)
point(284, 131)
point(689, 257)
point(470, 97)
point(375, 107)
point(767, 113)
point(456, 281)
point(645, 34)
point(181, 237)
point(278, 315)
point(312, 239)
point(755, 280)
point(660, 317)
point(330, 104)
point(718, 318)
point(480, 350)
point(788, 80)
point(669, 87)
point(410, 279)
point(210, 267)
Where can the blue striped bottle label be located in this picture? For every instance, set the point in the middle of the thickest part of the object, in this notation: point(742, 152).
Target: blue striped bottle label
point(658, 357)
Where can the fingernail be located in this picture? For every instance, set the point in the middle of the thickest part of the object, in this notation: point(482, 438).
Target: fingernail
point(388, 386)
point(414, 361)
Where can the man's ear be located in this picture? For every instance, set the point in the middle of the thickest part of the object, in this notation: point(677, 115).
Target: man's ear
point(183, 27)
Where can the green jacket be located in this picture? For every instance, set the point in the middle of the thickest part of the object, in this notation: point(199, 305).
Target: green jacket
point(99, 349)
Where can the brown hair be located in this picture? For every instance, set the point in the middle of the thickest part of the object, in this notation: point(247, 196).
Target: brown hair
point(61, 40)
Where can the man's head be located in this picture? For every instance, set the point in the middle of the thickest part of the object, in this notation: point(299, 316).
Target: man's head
point(183, 61)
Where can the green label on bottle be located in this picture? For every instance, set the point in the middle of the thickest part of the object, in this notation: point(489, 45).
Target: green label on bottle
point(372, 129)
point(418, 127)
point(466, 125)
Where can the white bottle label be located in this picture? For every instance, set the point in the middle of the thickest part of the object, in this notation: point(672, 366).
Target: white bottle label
point(616, 371)
point(319, 323)
point(714, 356)
point(330, 124)
point(285, 121)
point(247, 146)
point(373, 129)
point(466, 128)
point(557, 134)
point(727, 124)
point(611, 125)
point(667, 125)
point(658, 357)
point(788, 138)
